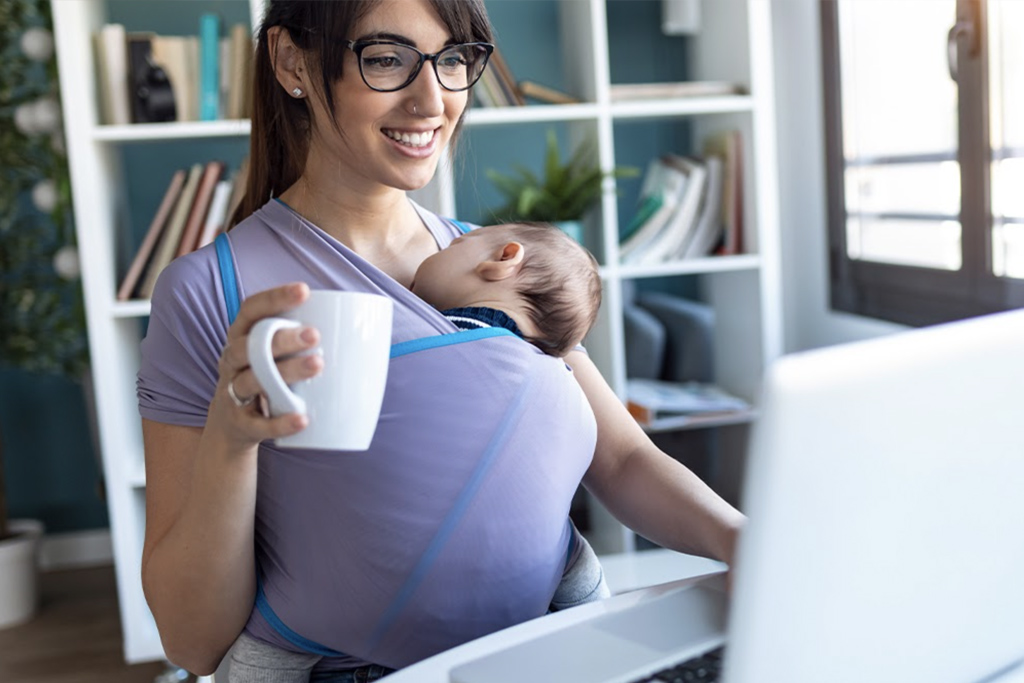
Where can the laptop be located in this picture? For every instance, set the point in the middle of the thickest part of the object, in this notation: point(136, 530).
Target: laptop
point(885, 496)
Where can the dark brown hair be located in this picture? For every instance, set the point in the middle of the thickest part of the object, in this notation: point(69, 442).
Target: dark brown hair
point(281, 125)
point(559, 285)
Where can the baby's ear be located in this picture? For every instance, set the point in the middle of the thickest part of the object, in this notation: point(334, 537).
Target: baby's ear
point(505, 262)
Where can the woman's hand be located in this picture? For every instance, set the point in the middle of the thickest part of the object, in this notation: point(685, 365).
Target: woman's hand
point(237, 412)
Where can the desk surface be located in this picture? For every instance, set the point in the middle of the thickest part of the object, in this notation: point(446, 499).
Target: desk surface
point(632, 577)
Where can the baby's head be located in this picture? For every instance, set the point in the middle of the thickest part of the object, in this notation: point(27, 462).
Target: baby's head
point(542, 278)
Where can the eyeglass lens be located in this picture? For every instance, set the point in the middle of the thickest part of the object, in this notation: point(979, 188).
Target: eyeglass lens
point(389, 66)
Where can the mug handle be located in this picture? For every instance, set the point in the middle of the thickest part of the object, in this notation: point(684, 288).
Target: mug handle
point(261, 359)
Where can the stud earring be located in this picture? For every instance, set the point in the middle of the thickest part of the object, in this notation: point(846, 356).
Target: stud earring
point(297, 92)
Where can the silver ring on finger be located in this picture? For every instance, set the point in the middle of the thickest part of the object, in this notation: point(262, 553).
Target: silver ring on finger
point(240, 402)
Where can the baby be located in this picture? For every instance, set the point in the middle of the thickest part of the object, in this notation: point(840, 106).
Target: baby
point(528, 277)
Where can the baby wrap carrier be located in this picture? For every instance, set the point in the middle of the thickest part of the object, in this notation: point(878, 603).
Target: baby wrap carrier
point(454, 524)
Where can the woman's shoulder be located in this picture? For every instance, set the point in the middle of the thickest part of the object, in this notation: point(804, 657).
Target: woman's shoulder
point(189, 283)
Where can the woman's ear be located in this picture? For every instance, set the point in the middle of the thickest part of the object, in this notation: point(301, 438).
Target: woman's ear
point(506, 262)
point(287, 58)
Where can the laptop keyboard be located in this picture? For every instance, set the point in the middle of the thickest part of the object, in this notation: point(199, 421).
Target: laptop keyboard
point(706, 667)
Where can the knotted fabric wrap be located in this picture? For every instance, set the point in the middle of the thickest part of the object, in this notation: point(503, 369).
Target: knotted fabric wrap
point(454, 523)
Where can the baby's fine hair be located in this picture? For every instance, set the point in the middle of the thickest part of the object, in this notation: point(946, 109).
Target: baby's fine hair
point(559, 285)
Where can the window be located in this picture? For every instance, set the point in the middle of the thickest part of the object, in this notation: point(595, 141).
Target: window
point(924, 107)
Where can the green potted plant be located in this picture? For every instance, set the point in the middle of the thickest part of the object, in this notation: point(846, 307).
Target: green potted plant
point(567, 190)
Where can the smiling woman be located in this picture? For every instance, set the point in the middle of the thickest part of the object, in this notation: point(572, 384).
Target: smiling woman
point(454, 523)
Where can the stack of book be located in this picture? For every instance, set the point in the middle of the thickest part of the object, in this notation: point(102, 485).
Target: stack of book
point(206, 76)
point(654, 402)
point(196, 207)
point(689, 207)
point(498, 87)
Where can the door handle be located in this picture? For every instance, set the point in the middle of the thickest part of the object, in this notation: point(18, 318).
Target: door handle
point(966, 28)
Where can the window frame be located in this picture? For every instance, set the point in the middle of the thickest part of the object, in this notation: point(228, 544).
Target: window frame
point(908, 294)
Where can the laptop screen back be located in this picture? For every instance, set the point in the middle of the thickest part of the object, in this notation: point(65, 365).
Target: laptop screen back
point(885, 492)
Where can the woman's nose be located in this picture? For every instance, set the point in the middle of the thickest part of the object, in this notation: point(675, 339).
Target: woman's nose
point(426, 93)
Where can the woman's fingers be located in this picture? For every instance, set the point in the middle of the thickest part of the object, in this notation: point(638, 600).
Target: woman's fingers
point(294, 369)
point(286, 342)
point(275, 427)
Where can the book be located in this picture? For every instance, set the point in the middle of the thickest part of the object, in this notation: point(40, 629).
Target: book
point(506, 81)
point(111, 47)
point(543, 93)
point(488, 91)
point(240, 65)
point(145, 250)
point(216, 217)
point(729, 146)
point(708, 228)
point(624, 92)
point(649, 400)
point(238, 187)
point(663, 188)
point(225, 75)
point(209, 67)
point(200, 207)
point(678, 229)
point(171, 236)
point(179, 58)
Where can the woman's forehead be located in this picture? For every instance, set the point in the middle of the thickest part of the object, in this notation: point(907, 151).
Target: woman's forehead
point(412, 22)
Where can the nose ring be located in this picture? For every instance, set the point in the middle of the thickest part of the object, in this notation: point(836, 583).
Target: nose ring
point(414, 109)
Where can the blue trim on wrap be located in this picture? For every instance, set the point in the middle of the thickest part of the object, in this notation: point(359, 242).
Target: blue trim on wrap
point(460, 225)
point(572, 544)
point(454, 516)
point(227, 276)
point(282, 629)
point(460, 337)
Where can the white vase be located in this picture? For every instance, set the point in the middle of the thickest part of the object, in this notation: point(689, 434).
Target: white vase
point(19, 556)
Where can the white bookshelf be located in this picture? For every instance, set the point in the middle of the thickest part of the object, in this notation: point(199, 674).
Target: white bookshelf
point(735, 46)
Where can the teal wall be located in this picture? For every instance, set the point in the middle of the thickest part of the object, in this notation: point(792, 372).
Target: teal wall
point(52, 470)
point(51, 467)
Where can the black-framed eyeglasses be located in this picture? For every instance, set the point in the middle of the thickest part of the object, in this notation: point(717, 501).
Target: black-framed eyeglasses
point(386, 66)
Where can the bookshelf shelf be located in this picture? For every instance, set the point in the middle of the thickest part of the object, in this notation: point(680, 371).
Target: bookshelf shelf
point(540, 113)
point(190, 130)
point(682, 106)
point(734, 46)
point(685, 422)
point(136, 478)
point(136, 308)
point(711, 264)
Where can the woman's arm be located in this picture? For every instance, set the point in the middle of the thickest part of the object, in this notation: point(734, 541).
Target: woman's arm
point(646, 489)
point(198, 568)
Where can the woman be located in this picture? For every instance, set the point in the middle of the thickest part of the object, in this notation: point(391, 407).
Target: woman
point(344, 124)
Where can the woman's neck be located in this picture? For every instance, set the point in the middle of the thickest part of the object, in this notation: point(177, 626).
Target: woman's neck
point(383, 227)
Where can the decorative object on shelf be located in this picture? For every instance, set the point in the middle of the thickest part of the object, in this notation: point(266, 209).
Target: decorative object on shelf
point(566, 192)
point(680, 17)
point(42, 321)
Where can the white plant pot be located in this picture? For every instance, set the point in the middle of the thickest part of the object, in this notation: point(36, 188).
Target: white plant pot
point(19, 559)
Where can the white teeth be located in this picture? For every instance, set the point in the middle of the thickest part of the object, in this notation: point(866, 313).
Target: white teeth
point(411, 139)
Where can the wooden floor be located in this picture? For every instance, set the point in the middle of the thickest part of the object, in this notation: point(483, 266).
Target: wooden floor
point(75, 637)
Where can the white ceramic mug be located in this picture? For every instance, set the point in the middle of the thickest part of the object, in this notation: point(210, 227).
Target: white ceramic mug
point(343, 401)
